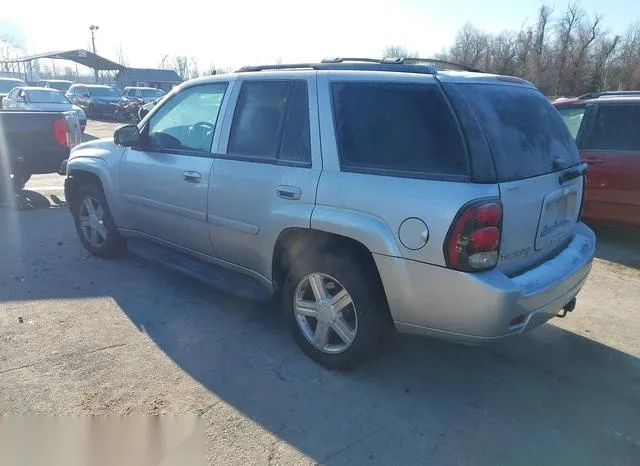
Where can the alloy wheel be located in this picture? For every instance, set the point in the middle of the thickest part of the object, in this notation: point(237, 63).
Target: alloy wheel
point(325, 313)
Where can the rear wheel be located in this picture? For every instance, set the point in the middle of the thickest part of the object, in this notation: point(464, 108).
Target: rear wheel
point(94, 223)
point(19, 180)
point(336, 309)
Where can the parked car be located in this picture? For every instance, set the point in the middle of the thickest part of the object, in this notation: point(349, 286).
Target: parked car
point(96, 100)
point(607, 131)
point(142, 94)
point(362, 195)
point(146, 108)
point(40, 99)
point(59, 84)
point(6, 84)
point(35, 143)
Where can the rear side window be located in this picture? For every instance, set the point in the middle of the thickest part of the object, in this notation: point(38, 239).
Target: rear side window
point(527, 135)
point(572, 117)
point(271, 121)
point(396, 129)
point(615, 128)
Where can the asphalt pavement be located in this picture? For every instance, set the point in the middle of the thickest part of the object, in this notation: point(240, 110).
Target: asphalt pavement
point(80, 335)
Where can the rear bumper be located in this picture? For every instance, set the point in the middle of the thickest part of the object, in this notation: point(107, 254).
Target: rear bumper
point(481, 307)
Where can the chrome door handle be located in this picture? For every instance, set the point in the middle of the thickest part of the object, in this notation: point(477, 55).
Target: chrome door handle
point(292, 193)
point(192, 177)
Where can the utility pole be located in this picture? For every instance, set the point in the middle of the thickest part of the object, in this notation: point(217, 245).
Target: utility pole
point(93, 28)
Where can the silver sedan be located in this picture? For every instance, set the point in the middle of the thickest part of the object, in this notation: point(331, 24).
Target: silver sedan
point(42, 100)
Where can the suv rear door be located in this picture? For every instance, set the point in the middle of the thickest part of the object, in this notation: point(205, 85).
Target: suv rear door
point(610, 144)
point(266, 172)
point(537, 168)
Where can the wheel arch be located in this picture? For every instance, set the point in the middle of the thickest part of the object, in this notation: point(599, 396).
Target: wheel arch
point(294, 242)
point(89, 169)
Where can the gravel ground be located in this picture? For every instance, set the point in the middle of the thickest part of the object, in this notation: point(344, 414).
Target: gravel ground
point(79, 335)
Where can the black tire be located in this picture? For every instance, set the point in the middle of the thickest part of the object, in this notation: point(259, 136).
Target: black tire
point(114, 244)
point(361, 281)
point(20, 180)
point(121, 116)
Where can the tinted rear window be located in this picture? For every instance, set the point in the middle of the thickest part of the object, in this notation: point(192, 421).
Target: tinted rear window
point(397, 129)
point(527, 135)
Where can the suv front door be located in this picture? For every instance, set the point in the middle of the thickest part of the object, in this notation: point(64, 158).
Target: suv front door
point(611, 147)
point(165, 181)
point(265, 178)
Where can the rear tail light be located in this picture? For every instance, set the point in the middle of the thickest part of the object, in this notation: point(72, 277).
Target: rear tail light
point(473, 240)
point(61, 132)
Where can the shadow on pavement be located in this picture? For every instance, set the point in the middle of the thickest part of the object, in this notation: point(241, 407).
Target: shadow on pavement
point(549, 397)
point(618, 245)
point(30, 200)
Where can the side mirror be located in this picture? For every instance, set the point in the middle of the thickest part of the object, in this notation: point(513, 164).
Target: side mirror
point(127, 136)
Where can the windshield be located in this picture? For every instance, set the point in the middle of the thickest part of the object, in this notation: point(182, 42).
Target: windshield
point(103, 92)
point(61, 86)
point(7, 84)
point(47, 97)
point(527, 135)
point(153, 93)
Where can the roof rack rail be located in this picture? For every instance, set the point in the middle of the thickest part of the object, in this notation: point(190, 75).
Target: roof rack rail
point(446, 65)
point(348, 64)
point(399, 61)
point(595, 95)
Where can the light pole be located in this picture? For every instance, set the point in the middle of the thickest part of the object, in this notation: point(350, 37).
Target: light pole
point(93, 28)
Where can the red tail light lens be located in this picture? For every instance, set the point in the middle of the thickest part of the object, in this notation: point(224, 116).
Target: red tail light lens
point(473, 240)
point(61, 132)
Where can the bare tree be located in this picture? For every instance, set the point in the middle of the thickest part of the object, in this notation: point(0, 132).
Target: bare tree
point(8, 48)
point(181, 65)
point(567, 25)
point(164, 62)
point(193, 69)
point(469, 46)
point(121, 56)
point(395, 51)
point(540, 36)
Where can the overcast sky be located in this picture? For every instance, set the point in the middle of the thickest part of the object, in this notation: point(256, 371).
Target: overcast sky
point(233, 33)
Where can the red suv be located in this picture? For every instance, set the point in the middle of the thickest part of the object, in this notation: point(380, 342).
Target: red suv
point(606, 127)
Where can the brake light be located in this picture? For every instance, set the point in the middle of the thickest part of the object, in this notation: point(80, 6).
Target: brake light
point(61, 132)
point(473, 240)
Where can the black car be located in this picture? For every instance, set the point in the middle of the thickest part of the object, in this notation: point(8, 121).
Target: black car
point(97, 101)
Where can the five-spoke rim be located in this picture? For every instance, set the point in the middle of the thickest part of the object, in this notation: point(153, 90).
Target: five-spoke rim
point(325, 313)
point(91, 221)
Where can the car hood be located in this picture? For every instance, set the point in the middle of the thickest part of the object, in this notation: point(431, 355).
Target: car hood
point(98, 148)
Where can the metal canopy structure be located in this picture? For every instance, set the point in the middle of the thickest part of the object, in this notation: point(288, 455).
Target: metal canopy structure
point(23, 66)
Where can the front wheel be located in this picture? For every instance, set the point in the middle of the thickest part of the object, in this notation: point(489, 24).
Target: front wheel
point(94, 223)
point(121, 116)
point(336, 308)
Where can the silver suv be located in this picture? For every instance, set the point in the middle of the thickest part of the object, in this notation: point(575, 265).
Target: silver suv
point(363, 195)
